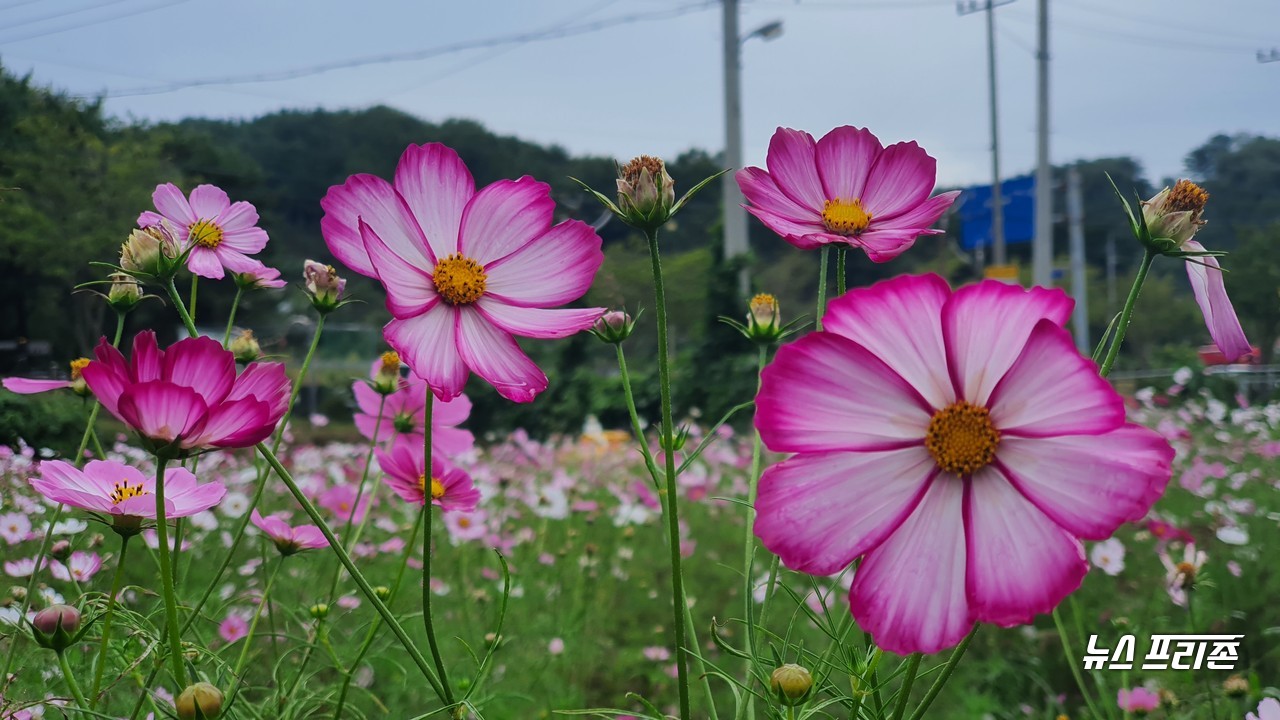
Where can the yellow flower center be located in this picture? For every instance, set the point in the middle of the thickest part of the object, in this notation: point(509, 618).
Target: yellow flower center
point(123, 491)
point(763, 303)
point(845, 217)
point(206, 234)
point(464, 522)
point(962, 439)
point(77, 367)
point(1186, 195)
point(459, 279)
point(437, 487)
point(390, 361)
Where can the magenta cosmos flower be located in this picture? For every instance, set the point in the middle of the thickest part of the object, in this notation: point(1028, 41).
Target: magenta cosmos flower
point(121, 494)
point(289, 540)
point(32, 386)
point(221, 234)
point(959, 444)
point(465, 271)
point(450, 488)
point(404, 416)
point(845, 188)
point(188, 397)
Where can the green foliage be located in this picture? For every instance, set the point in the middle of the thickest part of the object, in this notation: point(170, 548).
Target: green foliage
point(49, 420)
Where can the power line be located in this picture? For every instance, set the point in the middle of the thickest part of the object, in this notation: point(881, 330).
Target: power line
point(1153, 22)
point(1175, 44)
point(121, 16)
point(414, 55)
point(55, 16)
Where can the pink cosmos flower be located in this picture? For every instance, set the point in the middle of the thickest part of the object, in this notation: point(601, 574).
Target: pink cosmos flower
point(232, 628)
point(404, 415)
point(451, 488)
point(464, 271)
point(14, 527)
point(1268, 709)
point(22, 567)
point(289, 540)
point(221, 234)
point(464, 526)
point(1137, 700)
point(32, 386)
point(188, 397)
point(341, 501)
point(556, 646)
point(1181, 576)
point(81, 567)
point(845, 188)
point(959, 442)
point(122, 494)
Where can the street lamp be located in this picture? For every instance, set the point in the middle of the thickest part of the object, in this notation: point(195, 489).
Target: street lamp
point(735, 218)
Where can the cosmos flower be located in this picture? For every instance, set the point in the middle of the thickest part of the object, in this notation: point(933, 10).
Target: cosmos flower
point(121, 494)
point(465, 271)
point(1138, 700)
point(81, 567)
point(31, 386)
point(845, 188)
point(289, 540)
point(188, 397)
point(1268, 709)
point(221, 234)
point(404, 416)
point(450, 488)
point(14, 527)
point(959, 444)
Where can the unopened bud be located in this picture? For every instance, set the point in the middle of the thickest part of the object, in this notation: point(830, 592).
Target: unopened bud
point(320, 611)
point(245, 348)
point(613, 327)
point(125, 292)
point(151, 250)
point(201, 700)
point(791, 682)
point(18, 592)
point(1173, 215)
point(386, 379)
point(78, 385)
point(61, 550)
point(56, 626)
point(1235, 686)
point(646, 193)
point(323, 286)
point(764, 321)
point(382, 592)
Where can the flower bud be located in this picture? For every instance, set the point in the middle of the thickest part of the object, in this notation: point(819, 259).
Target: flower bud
point(382, 592)
point(245, 348)
point(678, 440)
point(764, 321)
point(201, 700)
point(323, 286)
point(613, 327)
point(1173, 216)
point(319, 611)
point(646, 193)
point(78, 385)
point(151, 250)
point(125, 292)
point(386, 379)
point(791, 682)
point(61, 550)
point(1235, 686)
point(18, 592)
point(55, 627)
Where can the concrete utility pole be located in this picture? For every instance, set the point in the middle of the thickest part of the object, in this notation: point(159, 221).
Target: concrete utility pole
point(997, 202)
point(1042, 246)
point(1079, 284)
point(735, 218)
point(1269, 56)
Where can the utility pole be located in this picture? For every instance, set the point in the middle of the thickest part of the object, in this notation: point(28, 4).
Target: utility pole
point(735, 217)
point(1079, 284)
point(997, 202)
point(1042, 246)
point(1269, 56)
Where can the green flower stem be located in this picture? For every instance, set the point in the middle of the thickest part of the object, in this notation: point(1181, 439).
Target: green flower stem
point(749, 541)
point(166, 576)
point(822, 286)
point(231, 318)
point(944, 675)
point(427, 507)
point(679, 608)
point(641, 440)
point(908, 679)
point(181, 308)
point(253, 626)
point(1126, 315)
point(842, 259)
point(1071, 663)
point(361, 582)
point(116, 582)
point(195, 285)
point(70, 677)
point(47, 542)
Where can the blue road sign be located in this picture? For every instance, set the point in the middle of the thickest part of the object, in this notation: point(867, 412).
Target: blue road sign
point(1019, 200)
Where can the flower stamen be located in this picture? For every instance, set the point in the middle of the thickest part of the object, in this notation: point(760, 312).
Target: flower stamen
point(962, 439)
point(77, 367)
point(206, 234)
point(845, 217)
point(459, 279)
point(437, 487)
point(123, 490)
point(1186, 195)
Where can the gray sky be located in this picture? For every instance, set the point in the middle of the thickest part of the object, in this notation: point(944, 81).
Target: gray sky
point(1150, 78)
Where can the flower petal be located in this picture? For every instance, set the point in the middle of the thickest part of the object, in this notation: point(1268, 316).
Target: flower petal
point(554, 269)
point(202, 364)
point(494, 355)
point(538, 322)
point(919, 217)
point(1020, 563)
point(173, 205)
point(805, 236)
point(108, 376)
point(234, 424)
point(1090, 484)
point(436, 185)
point(845, 157)
point(1052, 390)
point(986, 325)
point(792, 162)
point(244, 240)
point(900, 322)
point(205, 262)
point(410, 290)
point(237, 216)
point(903, 176)
point(504, 217)
point(826, 392)
point(208, 201)
point(1211, 296)
point(162, 411)
point(371, 198)
point(265, 381)
point(31, 386)
point(763, 193)
point(428, 343)
point(909, 592)
point(820, 511)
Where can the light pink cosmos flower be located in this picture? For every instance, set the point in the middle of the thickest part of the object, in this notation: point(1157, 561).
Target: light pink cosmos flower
point(959, 442)
point(221, 234)
point(341, 501)
point(465, 271)
point(845, 188)
point(22, 567)
point(1268, 709)
point(404, 416)
point(188, 397)
point(1137, 700)
point(451, 488)
point(1181, 576)
point(122, 494)
point(81, 567)
point(233, 627)
point(14, 527)
point(289, 540)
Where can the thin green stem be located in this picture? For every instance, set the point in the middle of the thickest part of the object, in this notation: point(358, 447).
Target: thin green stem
point(749, 541)
point(822, 286)
point(944, 675)
point(166, 576)
point(70, 677)
point(673, 513)
point(842, 259)
point(116, 581)
point(641, 440)
point(365, 588)
point(1126, 315)
point(1071, 663)
point(195, 286)
point(909, 679)
point(427, 506)
point(231, 319)
point(253, 626)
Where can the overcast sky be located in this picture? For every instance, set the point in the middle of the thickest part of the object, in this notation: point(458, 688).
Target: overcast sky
point(1149, 78)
